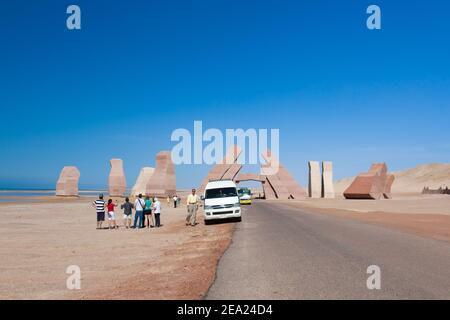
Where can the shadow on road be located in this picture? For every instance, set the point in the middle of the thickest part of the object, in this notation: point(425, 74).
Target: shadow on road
point(221, 221)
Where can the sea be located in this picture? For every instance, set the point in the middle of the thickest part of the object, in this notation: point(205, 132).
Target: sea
point(12, 195)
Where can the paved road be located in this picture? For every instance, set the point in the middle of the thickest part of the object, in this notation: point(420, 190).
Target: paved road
point(279, 252)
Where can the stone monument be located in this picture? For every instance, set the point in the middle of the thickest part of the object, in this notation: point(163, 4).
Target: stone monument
point(163, 181)
point(227, 169)
point(116, 182)
point(374, 184)
point(327, 180)
point(315, 182)
point(142, 180)
point(283, 184)
point(67, 184)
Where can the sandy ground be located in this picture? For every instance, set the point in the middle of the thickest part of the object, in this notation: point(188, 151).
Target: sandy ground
point(41, 239)
point(412, 203)
point(424, 215)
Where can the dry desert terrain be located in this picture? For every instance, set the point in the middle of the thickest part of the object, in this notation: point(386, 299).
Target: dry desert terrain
point(41, 239)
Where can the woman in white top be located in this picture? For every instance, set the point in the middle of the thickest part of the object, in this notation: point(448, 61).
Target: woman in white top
point(157, 212)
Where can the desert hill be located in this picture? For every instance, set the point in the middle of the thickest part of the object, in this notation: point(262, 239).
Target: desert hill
point(433, 175)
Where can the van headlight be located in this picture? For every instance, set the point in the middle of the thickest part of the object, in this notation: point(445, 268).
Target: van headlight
point(207, 207)
point(237, 204)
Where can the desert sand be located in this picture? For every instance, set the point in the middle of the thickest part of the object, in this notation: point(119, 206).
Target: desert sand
point(41, 238)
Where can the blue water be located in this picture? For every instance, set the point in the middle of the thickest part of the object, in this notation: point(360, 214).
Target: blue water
point(42, 193)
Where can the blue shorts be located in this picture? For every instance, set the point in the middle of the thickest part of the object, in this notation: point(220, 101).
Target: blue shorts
point(100, 216)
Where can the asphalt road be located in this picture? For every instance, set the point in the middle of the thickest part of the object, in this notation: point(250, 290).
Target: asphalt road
point(279, 252)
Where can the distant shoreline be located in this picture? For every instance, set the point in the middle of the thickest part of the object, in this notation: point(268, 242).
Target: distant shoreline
point(46, 190)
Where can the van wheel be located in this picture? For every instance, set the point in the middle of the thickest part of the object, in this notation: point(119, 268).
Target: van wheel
point(207, 222)
point(239, 219)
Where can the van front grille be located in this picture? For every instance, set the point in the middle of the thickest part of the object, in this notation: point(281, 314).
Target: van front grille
point(223, 206)
point(223, 212)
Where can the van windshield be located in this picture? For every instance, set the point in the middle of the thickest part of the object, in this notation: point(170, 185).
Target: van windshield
point(220, 193)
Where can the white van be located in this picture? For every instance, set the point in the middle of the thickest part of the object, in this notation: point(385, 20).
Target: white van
point(221, 201)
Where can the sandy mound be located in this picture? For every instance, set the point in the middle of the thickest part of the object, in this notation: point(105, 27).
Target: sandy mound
point(433, 175)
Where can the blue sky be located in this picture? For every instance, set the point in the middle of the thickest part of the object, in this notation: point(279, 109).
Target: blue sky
point(137, 70)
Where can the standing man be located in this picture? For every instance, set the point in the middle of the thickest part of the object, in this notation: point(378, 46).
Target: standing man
point(99, 206)
point(157, 211)
point(139, 205)
point(175, 198)
point(127, 212)
point(192, 206)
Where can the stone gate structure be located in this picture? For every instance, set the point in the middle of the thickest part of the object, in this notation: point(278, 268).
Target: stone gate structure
point(276, 181)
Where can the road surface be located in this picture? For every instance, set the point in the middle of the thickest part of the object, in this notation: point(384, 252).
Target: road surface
point(280, 252)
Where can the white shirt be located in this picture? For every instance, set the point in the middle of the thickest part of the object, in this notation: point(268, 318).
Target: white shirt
point(157, 206)
point(139, 204)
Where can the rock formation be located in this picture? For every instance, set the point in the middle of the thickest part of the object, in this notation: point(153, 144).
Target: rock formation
point(327, 180)
point(116, 182)
point(140, 187)
point(67, 184)
point(374, 184)
point(163, 181)
point(315, 182)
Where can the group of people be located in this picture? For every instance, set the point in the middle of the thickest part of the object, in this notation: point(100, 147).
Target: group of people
point(147, 211)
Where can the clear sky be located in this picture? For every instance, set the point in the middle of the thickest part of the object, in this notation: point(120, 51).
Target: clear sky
point(137, 70)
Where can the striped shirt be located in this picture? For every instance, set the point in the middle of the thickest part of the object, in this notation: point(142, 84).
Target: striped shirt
point(100, 205)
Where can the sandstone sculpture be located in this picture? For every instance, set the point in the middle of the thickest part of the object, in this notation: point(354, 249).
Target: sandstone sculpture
point(327, 180)
point(249, 177)
point(227, 169)
point(283, 184)
point(116, 181)
point(163, 180)
point(374, 184)
point(388, 186)
point(315, 182)
point(269, 192)
point(142, 180)
point(67, 184)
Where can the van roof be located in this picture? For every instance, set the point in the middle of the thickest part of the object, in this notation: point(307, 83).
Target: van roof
point(220, 184)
